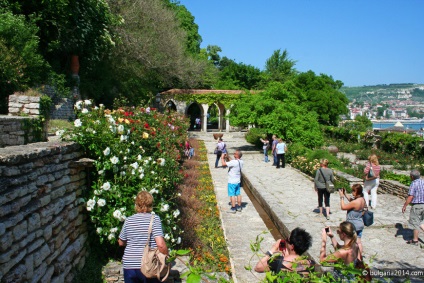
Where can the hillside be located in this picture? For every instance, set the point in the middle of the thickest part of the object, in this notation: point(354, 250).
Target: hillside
point(378, 93)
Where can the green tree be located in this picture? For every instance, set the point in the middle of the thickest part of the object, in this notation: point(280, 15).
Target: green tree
point(186, 19)
point(150, 56)
point(279, 67)
point(21, 64)
point(234, 75)
point(360, 124)
point(322, 95)
point(287, 119)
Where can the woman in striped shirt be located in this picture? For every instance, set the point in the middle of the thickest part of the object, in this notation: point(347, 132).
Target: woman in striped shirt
point(134, 237)
point(371, 180)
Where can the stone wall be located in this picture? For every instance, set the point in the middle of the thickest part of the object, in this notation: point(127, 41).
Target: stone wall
point(386, 186)
point(63, 108)
point(19, 104)
point(394, 188)
point(43, 229)
point(12, 131)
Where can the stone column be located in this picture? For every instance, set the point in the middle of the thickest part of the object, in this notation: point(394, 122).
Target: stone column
point(227, 121)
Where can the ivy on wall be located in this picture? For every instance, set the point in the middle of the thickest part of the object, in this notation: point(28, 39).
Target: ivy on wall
point(35, 129)
point(225, 99)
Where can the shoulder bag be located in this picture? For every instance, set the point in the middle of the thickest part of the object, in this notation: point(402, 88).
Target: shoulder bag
point(371, 172)
point(329, 186)
point(241, 176)
point(367, 216)
point(153, 263)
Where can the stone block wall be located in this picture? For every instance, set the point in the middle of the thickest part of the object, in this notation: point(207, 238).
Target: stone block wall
point(12, 131)
point(43, 229)
point(19, 104)
point(394, 188)
point(63, 109)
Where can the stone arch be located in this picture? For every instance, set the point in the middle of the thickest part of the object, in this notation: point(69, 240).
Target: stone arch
point(170, 106)
point(194, 110)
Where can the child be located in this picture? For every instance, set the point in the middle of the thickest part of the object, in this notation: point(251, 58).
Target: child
point(191, 152)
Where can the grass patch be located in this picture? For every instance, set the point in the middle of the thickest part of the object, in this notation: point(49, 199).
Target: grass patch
point(55, 125)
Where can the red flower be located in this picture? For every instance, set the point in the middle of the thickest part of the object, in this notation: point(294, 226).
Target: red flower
point(146, 126)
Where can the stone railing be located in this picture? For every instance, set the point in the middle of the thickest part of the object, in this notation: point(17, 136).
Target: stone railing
point(43, 229)
point(13, 132)
point(386, 186)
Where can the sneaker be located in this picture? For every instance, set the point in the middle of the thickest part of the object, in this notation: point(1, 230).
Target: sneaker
point(232, 210)
point(238, 208)
point(327, 217)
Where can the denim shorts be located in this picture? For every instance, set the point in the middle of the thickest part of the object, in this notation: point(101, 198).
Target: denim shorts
point(359, 233)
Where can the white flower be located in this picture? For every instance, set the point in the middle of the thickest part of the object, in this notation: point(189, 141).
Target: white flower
point(132, 172)
point(114, 160)
point(123, 173)
point(96, 192)
point(179, 240)
point(111, 236)
point(117, 214)
point(172, 240)
point(123, 138)
point(141, 176)
point(101, 105)
point(141, 170)
point(123, 209)
point(174, 228)
point(167, 237)
point(161, 161)
point(179, 194)
point(106, 186)
point(78, 104)
point(84, 111)
point(164, 207)
point(176, 213)
point(106, 152)
point(90, 204)
point(77, 123)
point(99, 230)
point(97, 122)
point(134, 165)
point(139, 157)
point(120, 129)
point(153, 191)
point(87, 102)
point(95, 107)
point(114, 230)
point(148, 110)
point(59, 132)
point(112, 128)
point(111, 120)
point(101, 172)
point(101, 202)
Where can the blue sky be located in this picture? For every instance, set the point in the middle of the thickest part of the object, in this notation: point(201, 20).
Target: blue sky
point(360, 42)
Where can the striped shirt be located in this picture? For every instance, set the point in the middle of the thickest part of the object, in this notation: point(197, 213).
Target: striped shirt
point(416, 189)
point(375, 168)
point(134, 233)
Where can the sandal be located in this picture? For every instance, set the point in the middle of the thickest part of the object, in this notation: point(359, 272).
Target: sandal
point(412, 242)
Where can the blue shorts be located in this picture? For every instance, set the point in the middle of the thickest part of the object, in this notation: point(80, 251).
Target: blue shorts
point(359, 233)
point(233, 190)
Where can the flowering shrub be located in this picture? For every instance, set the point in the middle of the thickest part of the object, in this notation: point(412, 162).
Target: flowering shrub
point(134, 150)
point(306, 166)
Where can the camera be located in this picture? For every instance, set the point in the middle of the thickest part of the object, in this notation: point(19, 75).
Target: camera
point(327, 230)
point(282, 245)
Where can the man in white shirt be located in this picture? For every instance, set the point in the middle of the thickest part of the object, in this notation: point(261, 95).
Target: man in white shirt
point(234, 178)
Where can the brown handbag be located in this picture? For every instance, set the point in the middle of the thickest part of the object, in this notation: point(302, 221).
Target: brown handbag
point(153, 263)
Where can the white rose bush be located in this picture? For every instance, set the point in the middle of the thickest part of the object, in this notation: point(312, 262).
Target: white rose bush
point(134, 149)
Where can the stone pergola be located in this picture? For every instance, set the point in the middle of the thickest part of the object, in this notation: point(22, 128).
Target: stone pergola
point(173, 99)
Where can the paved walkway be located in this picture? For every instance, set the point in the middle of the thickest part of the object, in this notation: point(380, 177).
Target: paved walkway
point(288, 197)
